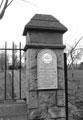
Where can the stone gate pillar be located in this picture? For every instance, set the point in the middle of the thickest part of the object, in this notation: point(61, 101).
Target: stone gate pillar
point(45, 68)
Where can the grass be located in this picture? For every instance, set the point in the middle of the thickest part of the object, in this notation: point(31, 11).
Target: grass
point(77, 75)
point(2, 85)
point(9, 84)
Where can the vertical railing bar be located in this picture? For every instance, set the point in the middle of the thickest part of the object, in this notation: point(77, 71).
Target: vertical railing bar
point(20, 70)
point(13, 70)
point(66, 84)
point(5, 68)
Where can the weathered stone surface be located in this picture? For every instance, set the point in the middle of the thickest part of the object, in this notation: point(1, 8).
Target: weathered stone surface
point(47, 98)
point(61, 85)
point(12, 109)
point(60, 74)
point(21, 117)
point(33, 100)
point(49, 119)
point(61, 97)
point(56, 112)
point(38, 113)
point(33, 113)
point(43, 112)
point(61, 81)
point(31, 58)
point(60, 58)
point(33, 53)
point(61, 119)
point(41, 103)
point(31, 68)
point(33, 79)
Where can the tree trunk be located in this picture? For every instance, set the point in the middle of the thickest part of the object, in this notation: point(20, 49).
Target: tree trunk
point(3, 9)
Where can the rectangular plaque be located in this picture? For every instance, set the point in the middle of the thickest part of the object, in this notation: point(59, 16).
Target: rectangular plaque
point(47, 69)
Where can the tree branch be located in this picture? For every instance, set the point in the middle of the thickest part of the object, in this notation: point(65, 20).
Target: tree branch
point(9, 3)
point(3, 9)
point(29, 2)
point(5, 4)
point(1, 3)
point(77, 43)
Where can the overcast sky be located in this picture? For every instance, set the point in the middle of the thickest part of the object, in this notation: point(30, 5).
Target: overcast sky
point(18, 14)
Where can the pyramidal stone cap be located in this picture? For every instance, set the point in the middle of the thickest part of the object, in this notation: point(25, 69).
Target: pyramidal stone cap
point(45, 23)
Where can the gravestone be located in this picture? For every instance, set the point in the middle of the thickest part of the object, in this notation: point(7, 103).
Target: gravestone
point(45, 83)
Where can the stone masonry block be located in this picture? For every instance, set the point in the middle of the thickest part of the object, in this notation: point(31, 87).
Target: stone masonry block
point(33, 53)
point(60, 58)
point(31, 58)
point(60, 74)
point(50, 119)
point(61, 119)
point(47, 98)
point(32, 79)
point(32, 69)
point(33, 85)
point(56, 112)
point(61, 85)
point(61, 81)
point(33, 100)
point(33, 64)
point(60, 98)
point(38, 113)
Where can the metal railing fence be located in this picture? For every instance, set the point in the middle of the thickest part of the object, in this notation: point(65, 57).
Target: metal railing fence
point(10, 68)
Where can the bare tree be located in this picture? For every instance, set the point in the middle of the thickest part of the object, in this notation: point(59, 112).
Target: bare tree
point(74, 54)
point(4, 5)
